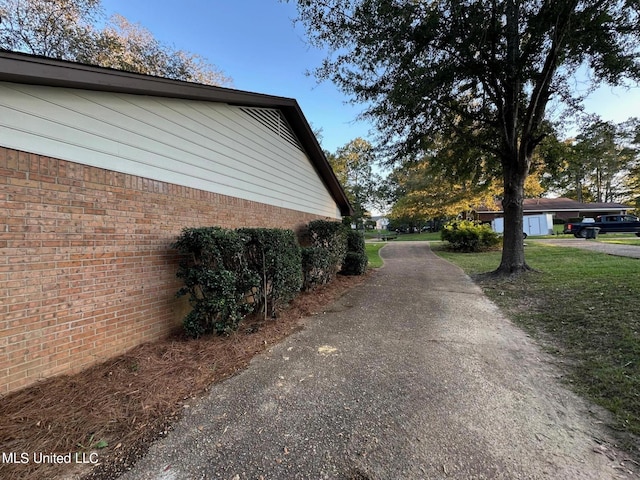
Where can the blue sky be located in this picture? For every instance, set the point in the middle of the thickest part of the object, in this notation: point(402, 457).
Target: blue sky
point(256, 44)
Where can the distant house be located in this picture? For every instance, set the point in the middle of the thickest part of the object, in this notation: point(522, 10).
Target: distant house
point(560, 208)
point(99, 172)
point(381, 222)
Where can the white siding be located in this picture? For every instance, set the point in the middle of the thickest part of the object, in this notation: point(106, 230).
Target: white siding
point(208, 146)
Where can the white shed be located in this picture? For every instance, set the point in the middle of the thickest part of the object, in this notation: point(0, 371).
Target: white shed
point(531, 224)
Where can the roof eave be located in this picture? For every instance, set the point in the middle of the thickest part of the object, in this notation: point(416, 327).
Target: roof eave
point(37, 70)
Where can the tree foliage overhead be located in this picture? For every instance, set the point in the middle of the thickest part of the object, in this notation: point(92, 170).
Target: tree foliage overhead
point(424, 190)
point(425, 65)
point(489, 68)
point(55, 28)
point(450, 178)
point(68, 30)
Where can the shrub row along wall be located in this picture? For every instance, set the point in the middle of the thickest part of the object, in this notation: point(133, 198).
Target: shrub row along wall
point(324, 251)
point(86, 271)
point(356, 260)
point(230, 273)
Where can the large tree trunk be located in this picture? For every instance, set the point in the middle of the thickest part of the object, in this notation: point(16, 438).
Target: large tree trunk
point(515, 166)
point(513, 261)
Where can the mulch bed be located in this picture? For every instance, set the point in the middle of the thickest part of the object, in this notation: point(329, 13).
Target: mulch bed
point(130, 401)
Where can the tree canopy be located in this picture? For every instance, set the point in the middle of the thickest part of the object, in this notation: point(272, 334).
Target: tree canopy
point(68, 30)
point(353, 165)
point(487, 69)
point(596, 165)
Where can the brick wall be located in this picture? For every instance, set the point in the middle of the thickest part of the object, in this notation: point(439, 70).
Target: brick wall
point(86, 271)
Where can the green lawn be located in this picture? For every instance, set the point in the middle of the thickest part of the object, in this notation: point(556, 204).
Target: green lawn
point(620, 240)
point(404, 237)
point(372, 253)
point(582, 306)
point(419, 237)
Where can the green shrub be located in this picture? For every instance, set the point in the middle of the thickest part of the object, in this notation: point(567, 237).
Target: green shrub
point(315, 267)
point(323, 258)
point(467, 236)
point(355, 241)
point(216, 278)
point(274, 256)
point(355, 261)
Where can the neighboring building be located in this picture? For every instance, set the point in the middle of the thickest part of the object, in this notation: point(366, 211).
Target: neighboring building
point(381, 222)
point(560, 208)
point(100, 170)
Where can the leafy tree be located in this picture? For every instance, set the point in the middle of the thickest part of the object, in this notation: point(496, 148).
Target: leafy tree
point(563, 172)
point(633, 185)
point(488, 67)
point(68, 30)
point(601, 150)
point(126, 46)
point(632, 182)
point(430, 193)
point(52, 28)
point(353, 165)
point(452, 179)
point(595, 166)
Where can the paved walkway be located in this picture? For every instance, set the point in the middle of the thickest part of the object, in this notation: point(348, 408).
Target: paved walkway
point(413, 375)
point(610, 248)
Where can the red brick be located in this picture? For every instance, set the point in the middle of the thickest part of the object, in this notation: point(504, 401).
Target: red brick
point(87, 269)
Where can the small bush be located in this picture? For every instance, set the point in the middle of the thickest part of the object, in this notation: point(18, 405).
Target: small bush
point(323, 258)
point(355, 241)
point(275, 258)
point(315, 267)
point(467, 236)
point(216, 278)
point(355, 261)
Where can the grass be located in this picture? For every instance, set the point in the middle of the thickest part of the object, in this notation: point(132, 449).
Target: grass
point(374, 247)
point(621, 240)
point(419, 237)
point(375, 261)
point(405, 237)
point(582, 306)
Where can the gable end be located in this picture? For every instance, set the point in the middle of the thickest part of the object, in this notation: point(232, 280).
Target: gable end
point(274, 121)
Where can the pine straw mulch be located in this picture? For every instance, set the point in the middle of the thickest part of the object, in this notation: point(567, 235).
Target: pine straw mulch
point(132, 400)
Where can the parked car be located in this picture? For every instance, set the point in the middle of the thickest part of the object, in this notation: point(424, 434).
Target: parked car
point(605, 224)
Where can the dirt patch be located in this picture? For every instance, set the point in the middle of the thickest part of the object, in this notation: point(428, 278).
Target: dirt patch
point(111, 412)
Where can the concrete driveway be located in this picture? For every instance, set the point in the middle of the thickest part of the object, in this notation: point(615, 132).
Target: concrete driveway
point(413, 375)
point(610, 248)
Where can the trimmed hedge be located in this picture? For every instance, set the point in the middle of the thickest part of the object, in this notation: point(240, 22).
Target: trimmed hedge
point(231, 273)
point(322, 260)
point(275, 257)
point(356, 260)
point(216, 278)
point(315, 267)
